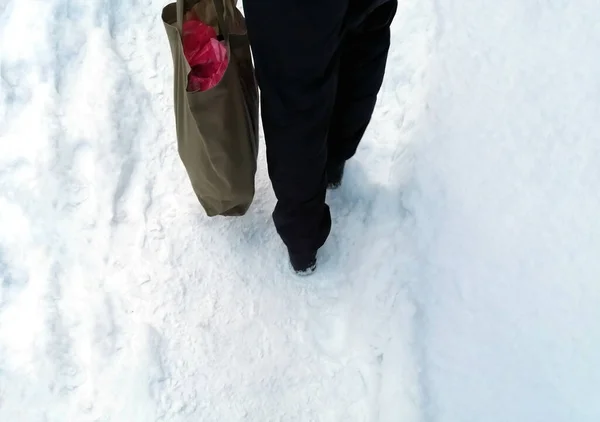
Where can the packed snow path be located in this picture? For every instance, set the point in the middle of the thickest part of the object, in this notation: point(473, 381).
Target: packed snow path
point(461, 281)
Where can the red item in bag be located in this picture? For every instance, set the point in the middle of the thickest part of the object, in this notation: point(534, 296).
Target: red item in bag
point(205, 54)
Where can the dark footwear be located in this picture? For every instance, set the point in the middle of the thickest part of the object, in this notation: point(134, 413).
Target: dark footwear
point(304, 265)
point(335, 175)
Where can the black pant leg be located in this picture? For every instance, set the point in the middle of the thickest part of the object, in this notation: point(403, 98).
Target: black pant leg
point(295, 45)
point(362, 67)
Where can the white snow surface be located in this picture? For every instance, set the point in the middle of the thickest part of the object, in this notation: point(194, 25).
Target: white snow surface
point(461, 281)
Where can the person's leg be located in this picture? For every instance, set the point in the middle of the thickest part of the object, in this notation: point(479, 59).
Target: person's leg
point(295, 48)
point(362, 66)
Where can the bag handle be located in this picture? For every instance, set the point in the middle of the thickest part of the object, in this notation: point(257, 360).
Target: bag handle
point(219, 8)
point(179, 22)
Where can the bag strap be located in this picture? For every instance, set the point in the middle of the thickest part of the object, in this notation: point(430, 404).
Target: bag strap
point(179, 23)
point(219, 8)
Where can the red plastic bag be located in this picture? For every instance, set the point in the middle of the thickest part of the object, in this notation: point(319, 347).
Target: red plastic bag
point(205, 54)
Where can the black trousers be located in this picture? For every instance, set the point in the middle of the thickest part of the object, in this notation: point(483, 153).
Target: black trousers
point(319, 65)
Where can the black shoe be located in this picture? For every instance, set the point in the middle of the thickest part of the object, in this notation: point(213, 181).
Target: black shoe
point(334, 176)
point(304, 265)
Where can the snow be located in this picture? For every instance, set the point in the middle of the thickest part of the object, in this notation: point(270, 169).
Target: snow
point(460, 283)
point(506, 214)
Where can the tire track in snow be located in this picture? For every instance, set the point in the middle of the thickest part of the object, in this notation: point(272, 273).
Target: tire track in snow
point(132, 114)
point(136, 116)
point(73, 195)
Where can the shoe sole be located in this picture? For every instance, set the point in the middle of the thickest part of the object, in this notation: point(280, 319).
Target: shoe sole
point(304, 273)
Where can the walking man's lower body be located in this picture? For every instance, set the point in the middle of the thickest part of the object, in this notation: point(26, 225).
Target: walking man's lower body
point(320, 65)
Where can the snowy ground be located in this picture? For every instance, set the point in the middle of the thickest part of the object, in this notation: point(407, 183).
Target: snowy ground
point(461, 282)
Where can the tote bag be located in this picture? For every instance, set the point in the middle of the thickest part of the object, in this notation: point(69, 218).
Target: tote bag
point(217, 129)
